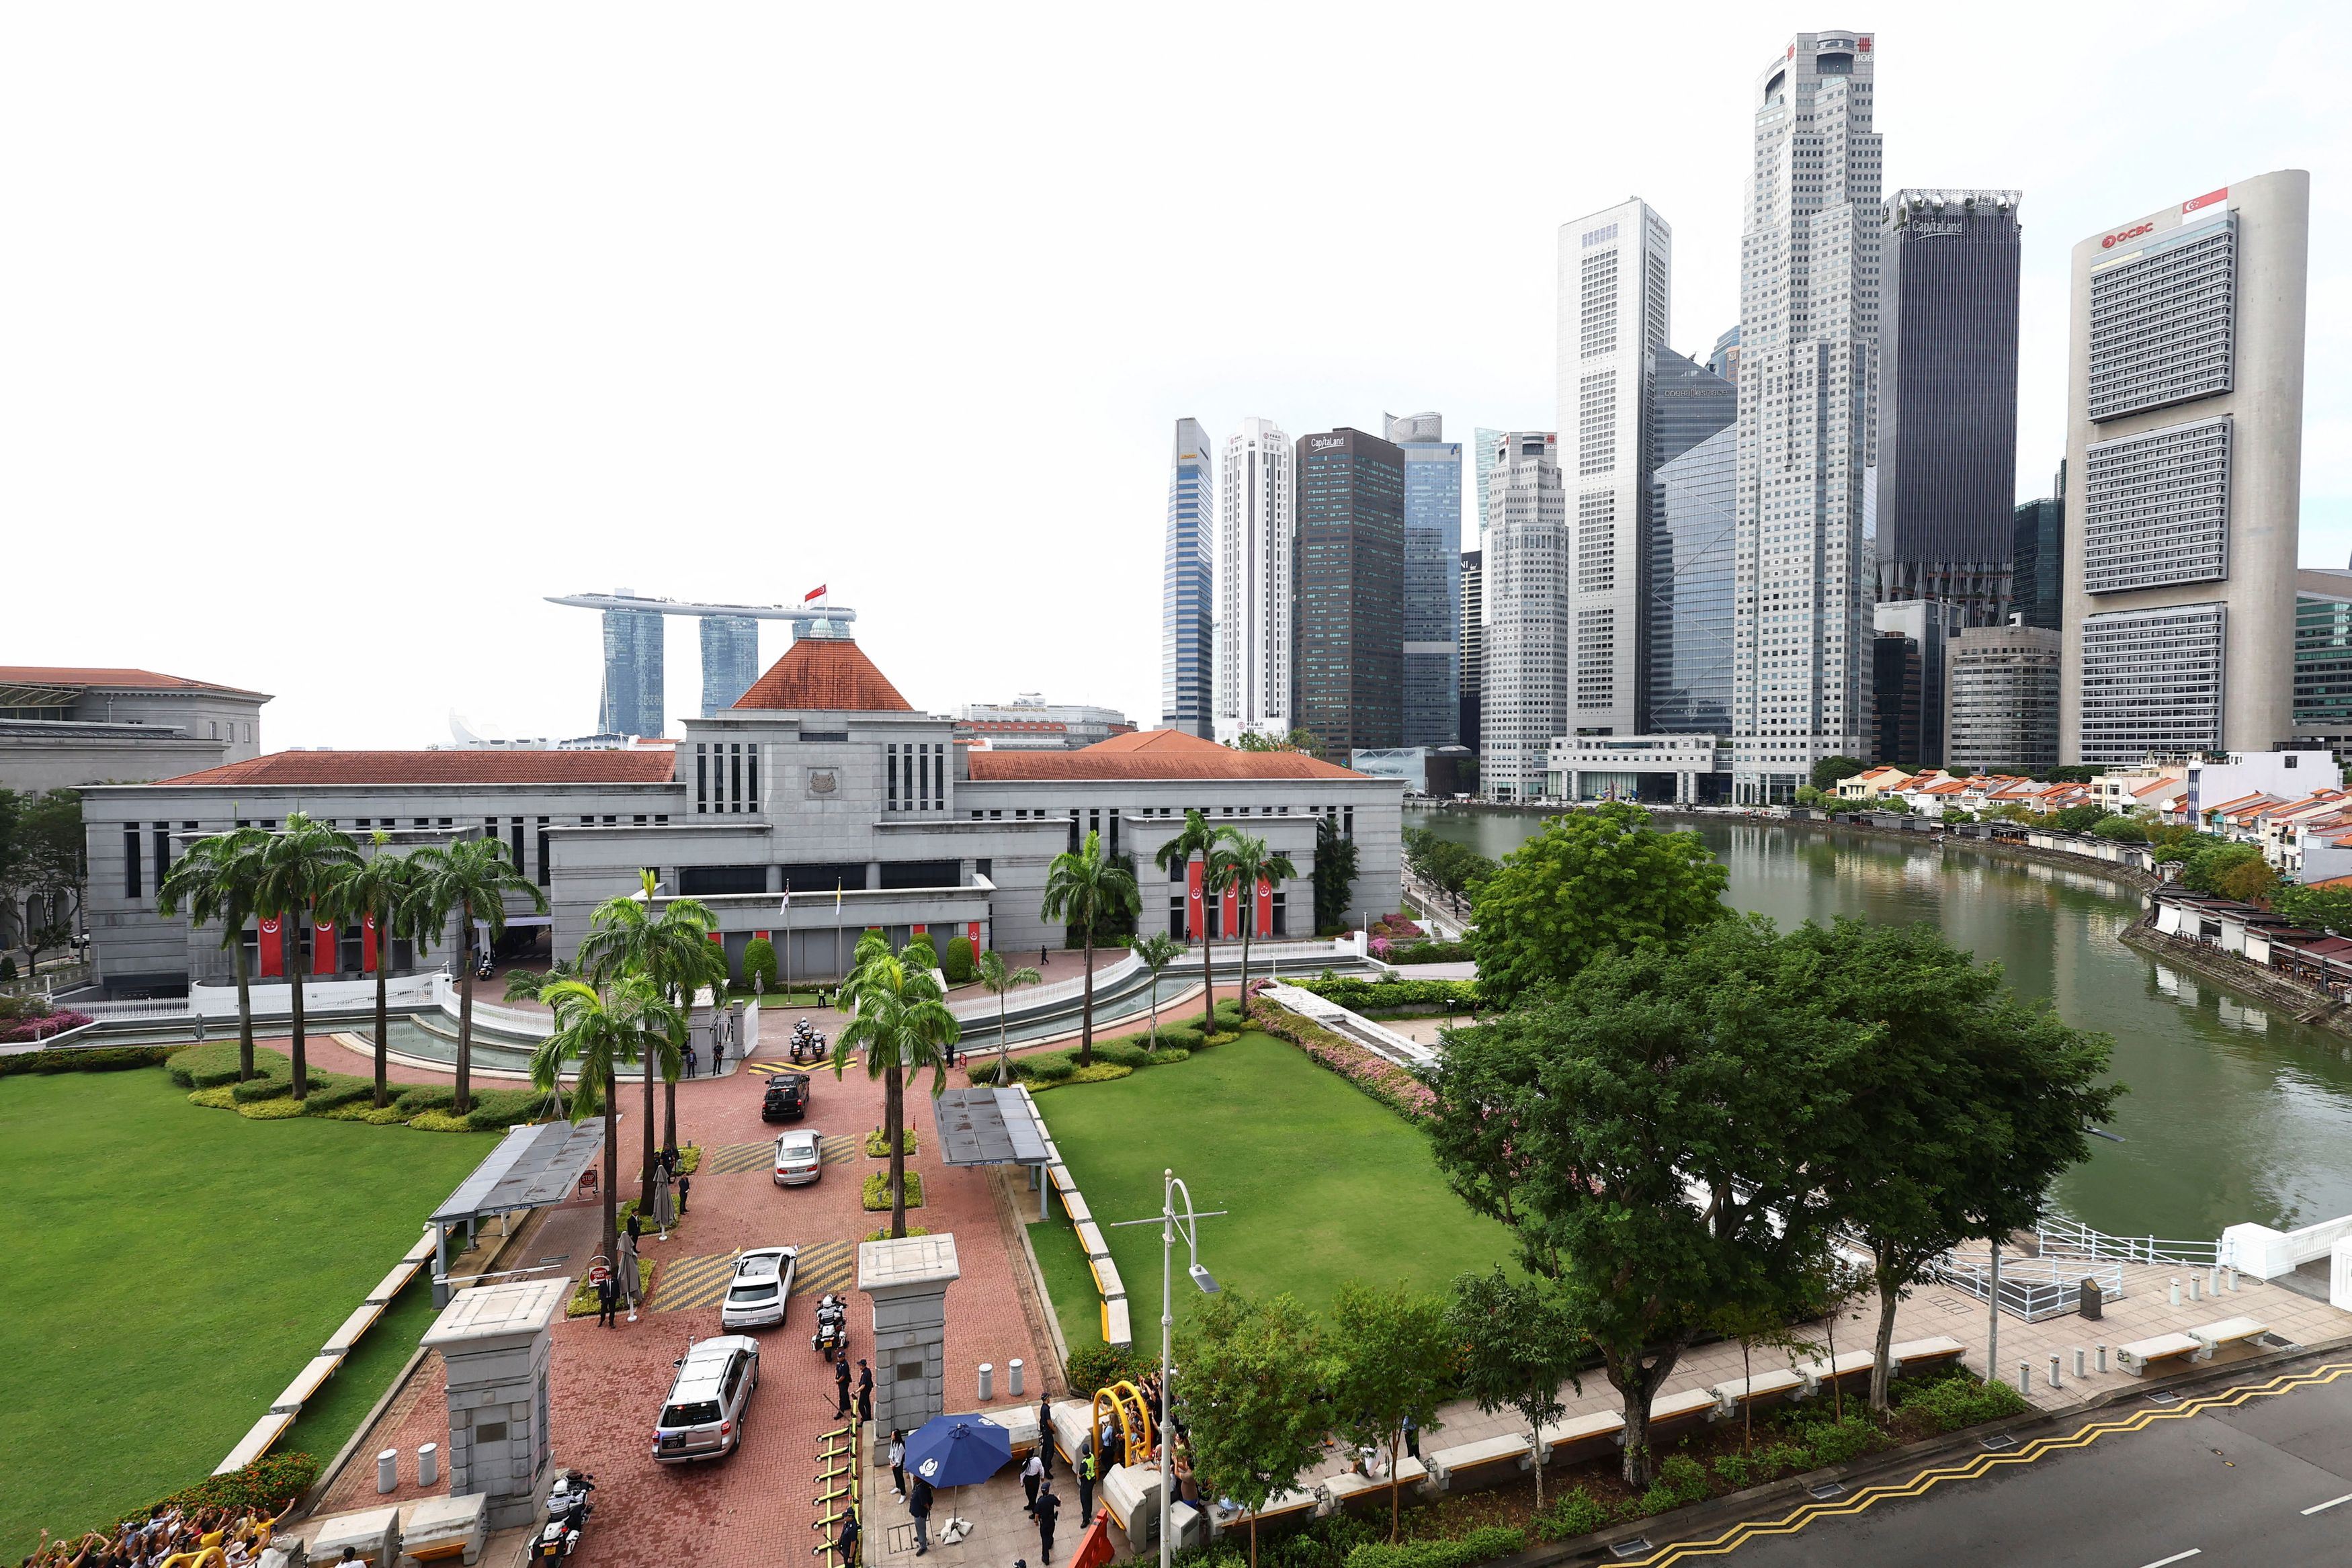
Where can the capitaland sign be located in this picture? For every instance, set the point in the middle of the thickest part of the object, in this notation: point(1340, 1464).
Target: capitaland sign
point(1325, 443)
point(1930, 228)
point(2120, 235)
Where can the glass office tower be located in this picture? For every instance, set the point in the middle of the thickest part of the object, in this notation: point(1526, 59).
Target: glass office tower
point(1186, 652)
point(1694, 563)
point(730, 660)
point(1349, 590)
point(631, 703)
point(1432, 578)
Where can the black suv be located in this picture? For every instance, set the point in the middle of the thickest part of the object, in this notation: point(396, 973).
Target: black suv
point(787, 1099)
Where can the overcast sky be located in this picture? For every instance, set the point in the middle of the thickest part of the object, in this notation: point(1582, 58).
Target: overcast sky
point(334, 337)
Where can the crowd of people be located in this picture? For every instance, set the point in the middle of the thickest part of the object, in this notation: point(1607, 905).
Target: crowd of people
point(204, 1537)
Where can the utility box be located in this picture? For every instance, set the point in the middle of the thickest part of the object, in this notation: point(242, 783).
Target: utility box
point(2093, 1302)
point(907, 1279)
point(495, 1342)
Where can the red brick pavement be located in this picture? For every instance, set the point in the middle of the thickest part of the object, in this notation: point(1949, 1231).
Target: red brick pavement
point(755, 1507)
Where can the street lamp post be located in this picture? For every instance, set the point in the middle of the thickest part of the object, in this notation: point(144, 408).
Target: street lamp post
point(1172, 1221)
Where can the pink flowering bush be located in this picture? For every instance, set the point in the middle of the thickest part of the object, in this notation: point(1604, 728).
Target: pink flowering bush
point(40, 1026)
point(1384, 1081)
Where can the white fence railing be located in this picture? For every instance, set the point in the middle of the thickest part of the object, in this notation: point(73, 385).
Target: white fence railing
point(2032, 1288)
point(2064, 1237)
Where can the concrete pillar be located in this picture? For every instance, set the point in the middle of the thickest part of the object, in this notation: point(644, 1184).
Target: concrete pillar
point(495, 1343)
point(906, 1281)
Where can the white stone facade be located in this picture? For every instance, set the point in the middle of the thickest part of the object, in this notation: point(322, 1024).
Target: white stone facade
point(1524, 586)
point(1258, 528)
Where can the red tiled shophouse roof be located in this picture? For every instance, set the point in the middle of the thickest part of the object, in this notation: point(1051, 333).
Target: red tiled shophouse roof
point(380, 767)
point(1151, 754)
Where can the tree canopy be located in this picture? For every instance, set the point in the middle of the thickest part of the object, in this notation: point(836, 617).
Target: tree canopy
point(1392, 1365)
point(1591, 883)
point(1829, 769)
point(1516, 1346)
point(1253, 1372)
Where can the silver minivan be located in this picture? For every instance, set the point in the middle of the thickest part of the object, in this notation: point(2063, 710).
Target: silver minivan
point(703, 1417)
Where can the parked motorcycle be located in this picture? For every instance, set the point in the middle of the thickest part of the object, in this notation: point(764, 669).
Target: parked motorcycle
point(568, 1509)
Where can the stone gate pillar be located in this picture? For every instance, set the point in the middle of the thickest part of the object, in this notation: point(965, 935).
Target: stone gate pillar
point(495, 1342)
point(906, 1281)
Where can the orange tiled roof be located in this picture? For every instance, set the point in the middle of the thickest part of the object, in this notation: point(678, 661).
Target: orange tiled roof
point(302, 767)
point(1151, 754)
point(129, 680)
point(824, 674)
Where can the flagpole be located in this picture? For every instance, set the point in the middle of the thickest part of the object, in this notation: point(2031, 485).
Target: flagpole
point(784, 912)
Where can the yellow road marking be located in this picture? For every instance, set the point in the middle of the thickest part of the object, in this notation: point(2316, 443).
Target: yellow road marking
point(1983, 1465)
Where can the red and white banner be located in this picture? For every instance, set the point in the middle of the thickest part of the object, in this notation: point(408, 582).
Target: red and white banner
point(971, 931)
point(273, 947)
point(1232, 911)
point(1193, 914)
point(323, 954)
point(367, 943)
point(1265, 907)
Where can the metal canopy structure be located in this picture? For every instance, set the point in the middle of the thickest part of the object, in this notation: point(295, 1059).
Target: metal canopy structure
point(533, 1167)
point(988, 1127)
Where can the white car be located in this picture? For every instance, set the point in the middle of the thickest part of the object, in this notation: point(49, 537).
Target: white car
point(800, 1156)
point(762, 1289)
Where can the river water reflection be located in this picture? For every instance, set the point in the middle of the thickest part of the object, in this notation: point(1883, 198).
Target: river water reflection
point(2236, 1112)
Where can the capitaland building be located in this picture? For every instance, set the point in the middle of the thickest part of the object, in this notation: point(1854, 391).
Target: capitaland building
point(2184, 461)
point(823, 783)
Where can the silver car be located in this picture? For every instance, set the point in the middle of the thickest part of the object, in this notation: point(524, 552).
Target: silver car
point(800, 1156)
point(703, 1417)
point(760, 1290)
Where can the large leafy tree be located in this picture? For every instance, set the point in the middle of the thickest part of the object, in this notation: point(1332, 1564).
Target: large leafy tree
point(1243, 862)
point(1195, 838)
point(218, 880)
point(2322, 908)
point(1651, 1130)
point(381, 889)
point(596, 1033)
point(1334, 874)
point(1392, 1364)
point(1082, 889)
point(471, 879)
point(1828, 771)
point(997, 977)
point(1516, 1346)
point(301, 865)
point(1591, 883)
point(1969, 1104)
point(670, 947)
point(902, 1027)
point(1252, 1375)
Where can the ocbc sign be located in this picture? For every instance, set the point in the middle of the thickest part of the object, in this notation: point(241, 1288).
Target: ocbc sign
point(2114, 240)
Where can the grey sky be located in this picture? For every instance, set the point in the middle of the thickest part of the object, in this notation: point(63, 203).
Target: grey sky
point(331, 339)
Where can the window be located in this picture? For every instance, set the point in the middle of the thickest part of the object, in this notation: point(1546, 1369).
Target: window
point(701, 777)
point(131, 859)
point(546, 869)
point(162, 854)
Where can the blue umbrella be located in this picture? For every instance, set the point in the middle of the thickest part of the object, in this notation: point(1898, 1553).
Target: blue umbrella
point(958, 1450)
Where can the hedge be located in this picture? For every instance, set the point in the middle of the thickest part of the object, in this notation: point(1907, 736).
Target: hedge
point(1180, 1037)
point(958, 964)
point(1481, 1546)
point(760, 963)
point(877, 1191)
point(265, 1087)
point(96, 1059)
point(1432, 953)
point(260, 1487)
point(1100, 1073)
point(1356, 994)
point(210, 1066)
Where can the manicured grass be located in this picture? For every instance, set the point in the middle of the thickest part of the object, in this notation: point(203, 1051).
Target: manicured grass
point(1322, 1185)
point(174, 1268)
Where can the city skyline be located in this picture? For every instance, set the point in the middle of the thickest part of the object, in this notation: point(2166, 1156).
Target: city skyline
point(221, 399)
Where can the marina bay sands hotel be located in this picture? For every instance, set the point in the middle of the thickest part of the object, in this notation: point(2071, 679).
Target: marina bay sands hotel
point(634, 634)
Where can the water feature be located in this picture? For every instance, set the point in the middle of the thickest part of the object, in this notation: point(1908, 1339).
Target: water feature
point(2237, 1112)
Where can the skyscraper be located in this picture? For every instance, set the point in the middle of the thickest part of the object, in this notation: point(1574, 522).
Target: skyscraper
point(632, 701)
point(730, 660)
point(2001, 709)
point(1348, 592)
point(1693, 568)
point(1614, 269)
point(1432, 578)
point(1474, 647)
point(1927, 626)
point(1808, 327)
point(1723, 361)
point(2184, 459)
point(2037, 551)
point(1187, 655)
point(1485, 445)
point(1524, 691)
point(1946, 434)
point(1256, 538)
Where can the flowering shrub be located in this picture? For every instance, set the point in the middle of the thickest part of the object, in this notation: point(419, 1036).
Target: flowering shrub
point(40, 1026)
point(1384, 1081)
point(1396, 926)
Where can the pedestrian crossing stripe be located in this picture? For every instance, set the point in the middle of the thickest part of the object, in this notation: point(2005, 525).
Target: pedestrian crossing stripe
point(731, 1159)
point(687, 1284)
point(825, 1268)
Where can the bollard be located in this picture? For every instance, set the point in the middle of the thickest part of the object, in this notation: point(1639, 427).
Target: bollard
point(2231, 1274)
point(2078, 1360)
point(987, 1382)
point(387, 1471)
point(2025, 1377)
point(2196, 1289)
point(2213, 1280)
point(1013, 1378)
point(2103, 1358)
point(2054, 1380)
point(428, 1465)
point(2176, 1290)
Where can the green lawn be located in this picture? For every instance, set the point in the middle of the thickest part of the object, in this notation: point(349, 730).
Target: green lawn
point(183, 1264)
point(1323, 1185)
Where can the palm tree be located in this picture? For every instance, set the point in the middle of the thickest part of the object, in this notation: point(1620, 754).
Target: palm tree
point(1197, 838)
point(532, 985)
point(999, 976)
point(381, 889)
point(673, 950)
point(216, 881)
point(1155, 952)
point(300, 868)
point(1247, 862)
point(902, 1027)
point(595, 1032)
point(1082, 890)
point(472, 879)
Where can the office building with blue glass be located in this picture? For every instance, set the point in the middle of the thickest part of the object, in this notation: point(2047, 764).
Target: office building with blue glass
point(1432, 578)
point(1187, 649)
point(730, 660)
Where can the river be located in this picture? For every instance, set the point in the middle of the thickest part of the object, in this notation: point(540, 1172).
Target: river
point(2236, 1112)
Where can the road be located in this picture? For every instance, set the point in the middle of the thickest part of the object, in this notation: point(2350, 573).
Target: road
point(2267, 1480)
